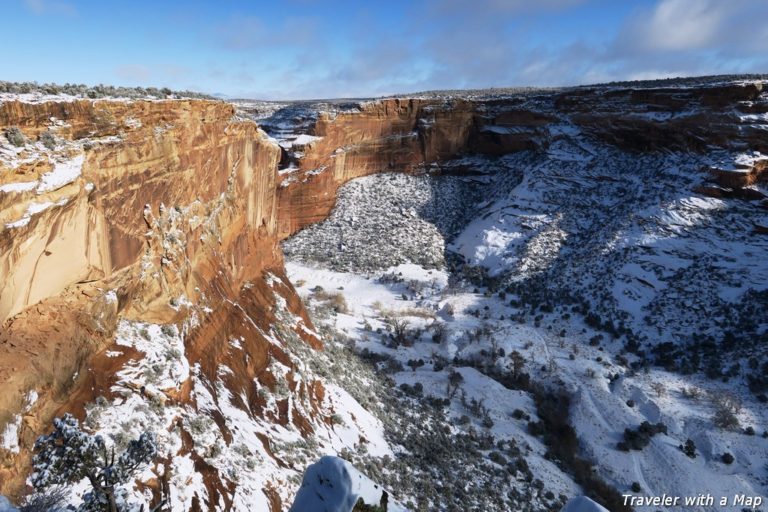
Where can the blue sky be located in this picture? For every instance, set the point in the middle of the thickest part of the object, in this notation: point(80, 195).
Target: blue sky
point(296, 49)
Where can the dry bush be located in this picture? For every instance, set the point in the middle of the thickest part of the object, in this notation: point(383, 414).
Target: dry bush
point(659, 388)
point(334, 300)
point(727, 406)
point(692, 393)
point(426, 314)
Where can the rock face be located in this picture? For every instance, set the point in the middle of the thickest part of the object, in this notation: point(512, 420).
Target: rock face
point(409, 134)
point(141, 205)
point(171, 212)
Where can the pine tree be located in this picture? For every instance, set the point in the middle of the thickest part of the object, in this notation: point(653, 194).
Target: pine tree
point(68, 455)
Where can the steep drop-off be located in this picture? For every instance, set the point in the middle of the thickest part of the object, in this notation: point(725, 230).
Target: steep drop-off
point(142, 205)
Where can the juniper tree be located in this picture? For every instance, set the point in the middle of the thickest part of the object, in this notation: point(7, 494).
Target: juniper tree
point(68, 455)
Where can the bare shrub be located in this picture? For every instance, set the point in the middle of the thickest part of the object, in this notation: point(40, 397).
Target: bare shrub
point(727, 406)
point(335, 300)
point(659, 388)
point(692, 393)
point(399, 331)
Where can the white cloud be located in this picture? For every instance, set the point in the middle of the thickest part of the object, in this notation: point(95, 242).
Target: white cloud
point(684, 24)
point(690, 25)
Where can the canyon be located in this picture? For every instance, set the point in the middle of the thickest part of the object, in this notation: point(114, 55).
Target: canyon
point(143, 268)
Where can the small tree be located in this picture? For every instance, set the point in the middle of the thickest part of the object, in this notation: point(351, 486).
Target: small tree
point(399, 334)
point(518, 363)
point(454, 381)
point(68, 455)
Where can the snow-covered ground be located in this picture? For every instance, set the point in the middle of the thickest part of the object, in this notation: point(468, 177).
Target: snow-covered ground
point(251, 450)
point(581, 260)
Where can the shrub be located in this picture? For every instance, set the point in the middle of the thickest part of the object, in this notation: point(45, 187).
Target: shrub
point(51, 499)
point(498, 458)
point(69, 455)
point(659, 388)
point(399, 331)
point(48, 140)
point(519, 414)
point(454, 381)
point(689, 448)
point(440, 332)
point(692, 392)
point(335, 300)
point(725, 419)
point(639, 438)
point(727, 406)
point(15, 137)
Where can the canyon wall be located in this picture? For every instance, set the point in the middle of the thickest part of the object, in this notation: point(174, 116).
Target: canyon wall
point(410, 134)
point(141, 206)
point(402, 135)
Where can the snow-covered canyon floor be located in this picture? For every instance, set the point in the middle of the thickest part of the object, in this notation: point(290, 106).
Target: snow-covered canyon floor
point(596, 274)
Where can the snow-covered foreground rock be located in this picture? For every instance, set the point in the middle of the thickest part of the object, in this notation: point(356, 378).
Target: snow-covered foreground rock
point(334, 485)
point(582, 504)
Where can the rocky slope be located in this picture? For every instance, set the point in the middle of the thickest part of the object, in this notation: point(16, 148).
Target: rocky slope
point(143, 281)
point(606, 263)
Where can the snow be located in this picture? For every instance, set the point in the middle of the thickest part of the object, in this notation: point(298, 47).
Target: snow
point(25, 186)
point(619, 233)
point(32, 210)
point(160, 346)
point(63, 173)
point(360, 422)
point(334, 485)
point(6, 506)
point(305, 139)
point(582, 504)
point(625, 234)
point(37, 97)
point(10, 436)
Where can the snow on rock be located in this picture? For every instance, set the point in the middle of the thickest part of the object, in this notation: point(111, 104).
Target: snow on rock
point(582, 504)
point(10, 435)
point(163, 361)
point(9, 439)
point(24, 186)
point(6, 506)
point(304, 139)
point(334, 485)
point(62, 174)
